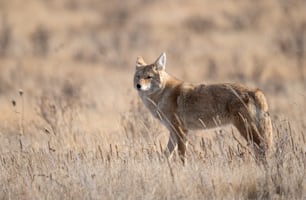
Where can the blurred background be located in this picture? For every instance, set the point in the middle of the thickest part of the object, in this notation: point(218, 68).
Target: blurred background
point(66, 66)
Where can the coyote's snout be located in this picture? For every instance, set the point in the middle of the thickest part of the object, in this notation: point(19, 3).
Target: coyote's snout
point(183, 106)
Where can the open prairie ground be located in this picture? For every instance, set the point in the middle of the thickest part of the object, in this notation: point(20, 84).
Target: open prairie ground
point(72, 126)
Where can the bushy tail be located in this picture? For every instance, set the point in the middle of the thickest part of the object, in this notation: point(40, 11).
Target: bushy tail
point(263, 120)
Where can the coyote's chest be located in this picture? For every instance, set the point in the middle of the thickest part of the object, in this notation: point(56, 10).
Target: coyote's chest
point(158, 108)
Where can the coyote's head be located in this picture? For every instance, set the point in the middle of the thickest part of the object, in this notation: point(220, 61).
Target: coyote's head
point(149, 78)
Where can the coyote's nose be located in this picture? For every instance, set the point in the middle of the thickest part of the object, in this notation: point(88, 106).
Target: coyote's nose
point(138, 86)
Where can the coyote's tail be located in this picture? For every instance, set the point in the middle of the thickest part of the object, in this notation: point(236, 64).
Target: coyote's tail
point(262, 119)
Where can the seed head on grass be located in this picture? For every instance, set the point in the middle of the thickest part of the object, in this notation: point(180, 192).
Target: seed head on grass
point(20, 92)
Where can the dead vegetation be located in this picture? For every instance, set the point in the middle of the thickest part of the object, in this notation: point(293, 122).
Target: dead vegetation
point(218, 167)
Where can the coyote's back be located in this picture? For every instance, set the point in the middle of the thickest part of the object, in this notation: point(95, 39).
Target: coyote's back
point(183, 106)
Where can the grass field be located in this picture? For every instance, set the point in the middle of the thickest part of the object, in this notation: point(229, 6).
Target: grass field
point(72, 126)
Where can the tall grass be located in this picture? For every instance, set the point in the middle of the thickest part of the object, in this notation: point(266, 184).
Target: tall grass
point(218, 167)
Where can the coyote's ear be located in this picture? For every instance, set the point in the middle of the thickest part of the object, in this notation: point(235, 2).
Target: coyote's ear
point(161, 62)
point(140, 62)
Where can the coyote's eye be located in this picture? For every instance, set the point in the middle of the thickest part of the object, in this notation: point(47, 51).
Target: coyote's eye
point(149, 77)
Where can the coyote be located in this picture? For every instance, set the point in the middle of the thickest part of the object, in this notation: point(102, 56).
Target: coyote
point(182, 106)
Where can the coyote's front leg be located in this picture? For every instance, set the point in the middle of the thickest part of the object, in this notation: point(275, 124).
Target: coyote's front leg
point(172, 144)
point(178, 139)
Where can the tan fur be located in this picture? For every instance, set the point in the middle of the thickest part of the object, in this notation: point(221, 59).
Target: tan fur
point(183, 106)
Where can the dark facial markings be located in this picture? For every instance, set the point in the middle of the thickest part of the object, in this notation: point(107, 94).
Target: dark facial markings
point(150, 76)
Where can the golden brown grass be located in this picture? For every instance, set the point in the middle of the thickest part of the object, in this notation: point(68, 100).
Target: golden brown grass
point(133, 167)
point(78, 131)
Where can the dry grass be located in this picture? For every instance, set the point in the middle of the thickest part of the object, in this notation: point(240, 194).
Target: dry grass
point(218, 167)
point(72, 126)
